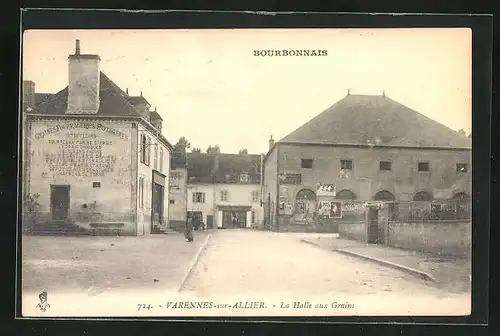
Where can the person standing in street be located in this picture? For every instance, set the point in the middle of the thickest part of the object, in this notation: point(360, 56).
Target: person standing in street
point(189, 229)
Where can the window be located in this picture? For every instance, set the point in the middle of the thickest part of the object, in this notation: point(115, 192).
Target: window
point(147, 159)
point(143, 148)
point(346, 164)
point(423, 166)
point(224, 195)
point(155, 162)
point(172, 201)
point(161, 159)
point(255, 196)
point(461, 167)
point(141, 192)
point(96, 184)
point(244, 178)
point(385, 165)
point(198, 197)
point(306, 163)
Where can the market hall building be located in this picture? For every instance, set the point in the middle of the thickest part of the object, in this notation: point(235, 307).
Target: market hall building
point(363, 148)
point(94, 157)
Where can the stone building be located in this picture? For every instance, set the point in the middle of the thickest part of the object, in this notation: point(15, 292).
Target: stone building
point(365, 148)
point(95, 155)
point(223, 188)
point(178, 193)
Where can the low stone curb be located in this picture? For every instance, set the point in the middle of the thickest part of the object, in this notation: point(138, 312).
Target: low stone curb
point(406, 269)
point(193, 262)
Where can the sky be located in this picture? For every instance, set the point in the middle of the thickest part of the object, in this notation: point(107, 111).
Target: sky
point(210, 88)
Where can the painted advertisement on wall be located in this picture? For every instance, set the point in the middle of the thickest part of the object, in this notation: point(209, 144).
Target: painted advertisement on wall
point(330, 209)
point(93, 156)
point(325, 190)
point(80, 148)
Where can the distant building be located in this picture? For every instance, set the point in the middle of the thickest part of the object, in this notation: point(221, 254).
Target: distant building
point(94, 154)
point(368, 148)
point(225, 189)
point(178, 192)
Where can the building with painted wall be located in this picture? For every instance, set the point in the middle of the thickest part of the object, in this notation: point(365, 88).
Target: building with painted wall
point(224, 190)
point(369, 148)
point(95, 154)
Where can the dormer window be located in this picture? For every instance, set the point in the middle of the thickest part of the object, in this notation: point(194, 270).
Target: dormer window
point(244, 178)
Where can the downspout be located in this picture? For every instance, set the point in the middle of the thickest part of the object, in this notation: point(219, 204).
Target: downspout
point(277, 209)
point(261, 187)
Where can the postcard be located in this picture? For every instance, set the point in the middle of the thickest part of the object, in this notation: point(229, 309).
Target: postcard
point(246, 172)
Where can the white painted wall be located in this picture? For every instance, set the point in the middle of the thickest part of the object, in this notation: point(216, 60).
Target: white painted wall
point(238, 195)
point(146, 171)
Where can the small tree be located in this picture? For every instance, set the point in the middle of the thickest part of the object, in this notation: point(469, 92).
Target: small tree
point(213, 149)
point(243, 151)
point(196, 150)
point(31, 210)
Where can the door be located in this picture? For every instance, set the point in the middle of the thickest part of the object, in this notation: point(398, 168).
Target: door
point(210, 222)
point(372, 223)
point(157, 207)
point(59, 201)
point(234, 219)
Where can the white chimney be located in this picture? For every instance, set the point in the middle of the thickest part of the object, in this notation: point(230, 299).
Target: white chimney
point(84, 77)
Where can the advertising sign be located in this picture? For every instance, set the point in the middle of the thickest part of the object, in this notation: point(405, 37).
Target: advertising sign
point(330, 209)
point(325, 190)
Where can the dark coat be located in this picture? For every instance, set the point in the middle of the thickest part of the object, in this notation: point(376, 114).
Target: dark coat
point(189, 229)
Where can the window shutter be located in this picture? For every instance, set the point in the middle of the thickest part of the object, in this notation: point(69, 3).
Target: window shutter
point(194, 197)
point(203, 197)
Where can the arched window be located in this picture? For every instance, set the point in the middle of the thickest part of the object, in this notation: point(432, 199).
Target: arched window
point(305, 202)
point(422, 196)
point(384, 195)
point(346, 194)
point(306, 194)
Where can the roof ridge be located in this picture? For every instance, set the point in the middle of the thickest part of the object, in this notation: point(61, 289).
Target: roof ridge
point(119, 91)
point(357, 119)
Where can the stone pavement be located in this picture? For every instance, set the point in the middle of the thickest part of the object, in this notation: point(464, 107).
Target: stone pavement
point(450, 274)
point(97, 264)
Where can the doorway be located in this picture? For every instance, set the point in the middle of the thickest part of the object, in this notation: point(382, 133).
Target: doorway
point(210, 222)
point(372, 225)
point(234, 219)
point(59, 201)
point(158, 198)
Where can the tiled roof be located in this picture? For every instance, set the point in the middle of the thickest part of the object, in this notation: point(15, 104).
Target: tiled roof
point(112, 101)
point(134, 100)
point(155, 116)
point(379, 120)
point(223, 168)
point(41, 98)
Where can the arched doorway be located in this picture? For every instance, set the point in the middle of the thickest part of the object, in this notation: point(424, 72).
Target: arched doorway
point(422, 196)
point(346, 194)
point(384, 195)
point(305, 203)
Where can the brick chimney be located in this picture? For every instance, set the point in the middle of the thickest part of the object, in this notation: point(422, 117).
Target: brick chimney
point(28, 95)
point(84, 82)
point(271, 143)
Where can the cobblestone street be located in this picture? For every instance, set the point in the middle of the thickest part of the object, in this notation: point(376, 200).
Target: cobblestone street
point(249, 262)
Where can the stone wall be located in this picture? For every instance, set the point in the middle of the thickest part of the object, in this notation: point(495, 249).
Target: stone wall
point(355, 231)
point(435, 237)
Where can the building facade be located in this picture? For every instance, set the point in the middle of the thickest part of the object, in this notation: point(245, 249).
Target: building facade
point(224, 190)
point(95, 155)
point(178, 197)
point(364, 148)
